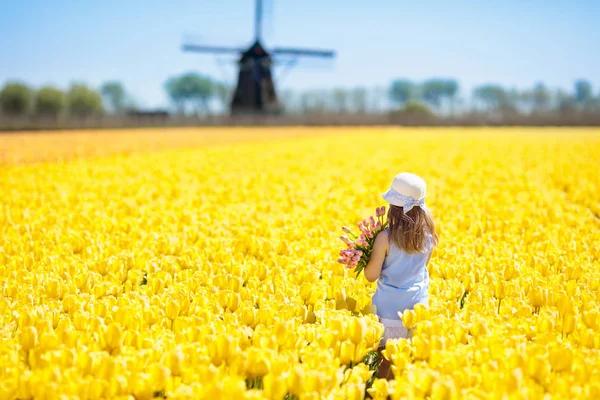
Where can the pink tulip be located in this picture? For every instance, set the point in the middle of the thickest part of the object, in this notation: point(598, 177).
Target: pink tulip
point(378, 226)
point(346, 230)
point(364, 229)
point(346, 240)
point(372, 222)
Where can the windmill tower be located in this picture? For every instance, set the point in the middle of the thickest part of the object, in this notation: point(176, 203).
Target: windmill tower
point(255, 90)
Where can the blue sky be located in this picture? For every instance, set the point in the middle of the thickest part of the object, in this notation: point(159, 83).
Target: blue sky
point(511, 42)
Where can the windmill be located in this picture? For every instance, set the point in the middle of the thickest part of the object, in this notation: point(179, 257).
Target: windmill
point(255, 89)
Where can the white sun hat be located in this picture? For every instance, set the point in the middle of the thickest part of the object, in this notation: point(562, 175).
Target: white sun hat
point(407, 191)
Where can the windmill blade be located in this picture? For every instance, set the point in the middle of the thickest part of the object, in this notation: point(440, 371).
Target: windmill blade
point(211, 49)
point(289, 51)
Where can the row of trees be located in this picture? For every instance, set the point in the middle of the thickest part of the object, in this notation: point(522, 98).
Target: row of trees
point(188, 92)
point(196, 93)
point(443, 97)
point(79, 101)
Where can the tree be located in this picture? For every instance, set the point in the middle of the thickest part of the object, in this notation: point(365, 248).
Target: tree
point(305, 100)
point(114, 95)
point(340, 99)
point(190, 88)
point(583, 92)
point(451, 87)
point(434, 91)
point(358, 98)
point(321, 100)
point(541, 97)
point(565, 102)
point(83, 101)
point(49, 102)
point(15, 99)
point(401, 91)
point(493, 97)
point(412, 111)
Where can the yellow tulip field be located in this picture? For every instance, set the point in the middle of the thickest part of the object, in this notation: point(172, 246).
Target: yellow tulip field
point(201, 264)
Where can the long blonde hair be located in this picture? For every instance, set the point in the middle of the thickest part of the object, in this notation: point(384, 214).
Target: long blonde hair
point(409, 231)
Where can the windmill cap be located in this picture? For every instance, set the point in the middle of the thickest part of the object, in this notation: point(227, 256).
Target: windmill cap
point(405, 185)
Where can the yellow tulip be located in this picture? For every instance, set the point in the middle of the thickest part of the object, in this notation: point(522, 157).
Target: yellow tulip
point(591, 319)
point(565, 305)
point(538, 368)
point(380, 389)
point(172, 309)
point(29, 338)
point(257, 363)
point(499, 290)
point(561, 359)
point(422, 311)
point(113, 336)
point(409, 318)
point(569, 323)
point(515, 380)
point(443, 390)
point(479, 328)
point(357, 330)
point(420, 348)
point(26, 318)
point(296, 381)
point(249, 316)
point(275, 387)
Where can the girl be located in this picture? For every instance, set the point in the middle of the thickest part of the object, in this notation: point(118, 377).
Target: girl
point(400, 256)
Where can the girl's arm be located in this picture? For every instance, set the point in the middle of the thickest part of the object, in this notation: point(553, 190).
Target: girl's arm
point(380, 250)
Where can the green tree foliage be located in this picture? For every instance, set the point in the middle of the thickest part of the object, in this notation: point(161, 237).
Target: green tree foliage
point(414, 110)
point(49, 102)
point(401, 91)
point(583, 93)
point(190, 89)
point(541, 97)
point(114, 95)
point(493, 97)
point(435, 91)
point(15, 99)
point(83, 101)
point(565, 102)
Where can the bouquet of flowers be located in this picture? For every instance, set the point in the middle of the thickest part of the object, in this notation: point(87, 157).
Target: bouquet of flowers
point(359, 247)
